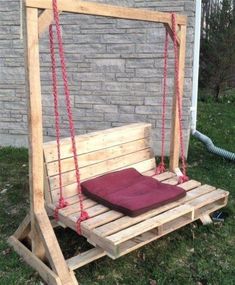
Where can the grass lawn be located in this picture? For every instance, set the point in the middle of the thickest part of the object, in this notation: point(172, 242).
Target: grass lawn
point(195, 254)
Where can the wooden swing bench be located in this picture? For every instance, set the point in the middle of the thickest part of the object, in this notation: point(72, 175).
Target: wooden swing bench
point(110, 232)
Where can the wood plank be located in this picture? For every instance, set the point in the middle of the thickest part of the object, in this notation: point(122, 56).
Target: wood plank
point(44, 20)
point(99, 208)
point(174, 146)
point(35, 112)
point(208, 198)
point(210, 207)
point(206, 219)
point(99, 220)
point(92, 211)
point(63, 219)
point(151, 235)
point(98, 156)
point(169, 29)
point(44, 271)
point(149, 224)
point(74, 208)
point(163, 176)
point(23, 229)
point(53, 250)
point(97, 140)
point(171, 181)
point(144, 239)
point(74, 213)
point(33, 86)
point(84, 258)
point(47, 190)
point(90, 8)
point(190, 184)
point(126, 221)
point(147, 237)
point(71, 190)
point(101, 168)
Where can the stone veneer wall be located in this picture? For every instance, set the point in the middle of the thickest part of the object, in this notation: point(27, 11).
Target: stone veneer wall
point(115, 70)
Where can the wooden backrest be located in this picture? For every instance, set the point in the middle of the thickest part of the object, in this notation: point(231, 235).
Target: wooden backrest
point(98, 153)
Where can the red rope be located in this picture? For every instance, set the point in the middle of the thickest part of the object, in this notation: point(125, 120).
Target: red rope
point(62, 203)
point(184, 177)
point(161, 167)
point(83, 215)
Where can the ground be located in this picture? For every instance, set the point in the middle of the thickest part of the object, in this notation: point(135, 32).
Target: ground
point(194, 255)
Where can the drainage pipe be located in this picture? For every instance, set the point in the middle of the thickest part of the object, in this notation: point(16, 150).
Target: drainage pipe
point(212, 148)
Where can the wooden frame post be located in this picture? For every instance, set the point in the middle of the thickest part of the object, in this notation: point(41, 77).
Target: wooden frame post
point(175, 146)
point(35, 126)
point(37, 227)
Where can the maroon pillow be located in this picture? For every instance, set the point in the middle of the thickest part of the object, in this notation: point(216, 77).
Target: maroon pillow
point(130, 192)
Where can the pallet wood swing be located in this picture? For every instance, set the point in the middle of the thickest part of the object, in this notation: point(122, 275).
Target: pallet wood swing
point(110, 232)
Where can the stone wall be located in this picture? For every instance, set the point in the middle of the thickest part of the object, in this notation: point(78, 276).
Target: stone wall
point(115, 70)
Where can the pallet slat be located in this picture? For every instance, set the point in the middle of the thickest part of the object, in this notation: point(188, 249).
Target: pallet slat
point(98, 156)
point(97, 140)
point(124, 222)
point(118, 234)
point(71, 190)
point(149, 224)
point(102, 167)
point(94, 225)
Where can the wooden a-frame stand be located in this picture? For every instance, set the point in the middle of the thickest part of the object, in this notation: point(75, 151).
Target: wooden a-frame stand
point(45, 254)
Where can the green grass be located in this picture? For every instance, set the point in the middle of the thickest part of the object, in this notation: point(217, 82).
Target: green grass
point(195, 254)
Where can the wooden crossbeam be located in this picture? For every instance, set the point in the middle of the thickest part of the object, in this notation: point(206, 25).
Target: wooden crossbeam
point(82, 7)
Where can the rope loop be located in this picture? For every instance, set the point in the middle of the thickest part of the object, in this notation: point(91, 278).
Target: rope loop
point(182, 179)
point(160, 168)
point(84, 216)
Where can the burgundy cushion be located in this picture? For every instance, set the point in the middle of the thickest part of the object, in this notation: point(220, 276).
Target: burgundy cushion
point(130, 192)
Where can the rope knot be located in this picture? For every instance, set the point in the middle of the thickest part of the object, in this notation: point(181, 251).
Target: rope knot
point(160, 168)
point(182, 179)
point(62, 204)
point(84, 216)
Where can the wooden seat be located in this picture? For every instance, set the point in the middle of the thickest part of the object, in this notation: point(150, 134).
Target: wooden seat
point(111, 232)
